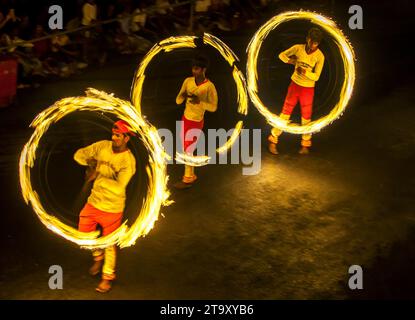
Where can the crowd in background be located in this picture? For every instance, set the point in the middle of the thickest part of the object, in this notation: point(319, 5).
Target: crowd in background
point(116, 28)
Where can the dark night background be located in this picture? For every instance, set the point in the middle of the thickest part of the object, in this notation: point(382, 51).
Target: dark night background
point(289, 232)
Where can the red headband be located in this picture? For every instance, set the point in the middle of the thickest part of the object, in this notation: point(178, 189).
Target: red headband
point(123, 127)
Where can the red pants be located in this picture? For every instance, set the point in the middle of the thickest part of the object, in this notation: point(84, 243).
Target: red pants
point(91, 216)
point(189, 141)
point(298, 93)
point(88, 220)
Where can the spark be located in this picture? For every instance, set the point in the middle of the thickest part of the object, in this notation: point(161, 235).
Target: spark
point(157, 193)
point(346, 53)
point(173, 43)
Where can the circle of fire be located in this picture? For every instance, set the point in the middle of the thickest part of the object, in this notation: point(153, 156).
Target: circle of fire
point(173, 43)
point(347, 55)
point(157, 194)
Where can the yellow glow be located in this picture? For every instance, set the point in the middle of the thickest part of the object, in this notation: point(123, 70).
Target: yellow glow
point(232, 139)
point(166, 45)
point(173, 43)
point(347, 55)
point(194, 161)
point(157, 194)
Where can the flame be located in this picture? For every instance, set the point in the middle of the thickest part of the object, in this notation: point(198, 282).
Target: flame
point(157, 194)
point(173, 43)
point(190, 160)
point(347, 55)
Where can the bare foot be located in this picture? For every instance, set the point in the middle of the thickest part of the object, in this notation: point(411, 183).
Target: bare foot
point(272, 148)
point(104, 286)
point(96, 268)
point(304, 150)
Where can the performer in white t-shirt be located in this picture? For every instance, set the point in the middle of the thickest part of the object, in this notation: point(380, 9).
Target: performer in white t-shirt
point(111, 166)
point(308, 61)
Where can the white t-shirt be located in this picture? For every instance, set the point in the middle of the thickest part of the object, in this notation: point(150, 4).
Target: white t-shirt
point(163, 6)
point(139, 19)
point(114, 172)
point(312, 63)
point(125, 23)
point(202, 5)
point(206, 93)
point(89, 12)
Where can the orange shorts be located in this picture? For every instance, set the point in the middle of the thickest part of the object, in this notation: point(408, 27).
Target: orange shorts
point(91, 216)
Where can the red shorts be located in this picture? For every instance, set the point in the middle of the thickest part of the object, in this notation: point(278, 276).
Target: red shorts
point(91, 216)
point(189, 144)
point(298, 93)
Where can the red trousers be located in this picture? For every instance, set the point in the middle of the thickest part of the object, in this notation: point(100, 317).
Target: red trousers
point(91, 216)
point(189, 139)
point(88, 220)
point(298, 93)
